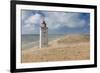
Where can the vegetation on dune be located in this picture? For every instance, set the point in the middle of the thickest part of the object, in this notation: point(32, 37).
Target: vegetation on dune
point(69, 47)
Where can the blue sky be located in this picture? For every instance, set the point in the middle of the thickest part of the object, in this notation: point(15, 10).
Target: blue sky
point(57, 22)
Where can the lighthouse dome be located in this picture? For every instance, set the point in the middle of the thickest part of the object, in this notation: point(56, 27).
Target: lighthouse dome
point(43, 24)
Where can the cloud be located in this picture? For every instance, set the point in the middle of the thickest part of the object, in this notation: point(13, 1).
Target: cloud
point(55, 21)
point(31, 24)
point(34, 19)
point(59, 19)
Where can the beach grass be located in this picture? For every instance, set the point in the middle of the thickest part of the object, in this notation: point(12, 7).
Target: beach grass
point(66, 48)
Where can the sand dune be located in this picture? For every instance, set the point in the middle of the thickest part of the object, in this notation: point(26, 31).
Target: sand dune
point(70, 47)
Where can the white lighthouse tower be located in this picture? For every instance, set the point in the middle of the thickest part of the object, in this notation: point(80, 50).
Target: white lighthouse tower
point(43, 35)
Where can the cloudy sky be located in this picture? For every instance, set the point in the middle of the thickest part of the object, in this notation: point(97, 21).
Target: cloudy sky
point(57, 22)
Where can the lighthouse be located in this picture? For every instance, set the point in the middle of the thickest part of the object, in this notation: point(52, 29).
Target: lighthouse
point(43, 35)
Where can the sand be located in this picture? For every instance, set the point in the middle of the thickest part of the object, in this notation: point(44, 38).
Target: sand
point(69, 47)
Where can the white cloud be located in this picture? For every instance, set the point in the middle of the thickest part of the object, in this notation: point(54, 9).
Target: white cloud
point(31, 24)
point(54, 20)
point(34, 19)
point(27, 25)
point(70, 20)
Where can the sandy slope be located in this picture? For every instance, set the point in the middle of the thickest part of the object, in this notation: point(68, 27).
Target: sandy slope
point(71, 47)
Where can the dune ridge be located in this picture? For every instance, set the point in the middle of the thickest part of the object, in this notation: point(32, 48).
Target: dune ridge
point(69, 47)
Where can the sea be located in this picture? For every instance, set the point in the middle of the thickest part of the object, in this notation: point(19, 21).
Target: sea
point(32, 40)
